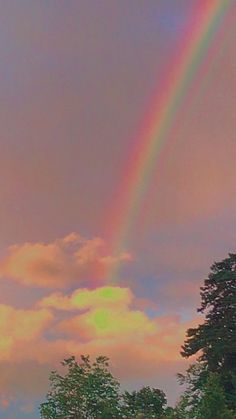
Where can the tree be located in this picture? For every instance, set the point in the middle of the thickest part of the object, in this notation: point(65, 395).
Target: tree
point(170, 413)
point(216, 337)
point(148, 403)
point(194, 381)
point(87, 391)
point(213, 401)
point(183, 410)
point(204, 397)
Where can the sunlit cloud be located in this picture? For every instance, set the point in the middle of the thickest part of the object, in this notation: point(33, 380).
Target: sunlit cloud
point(66, 261)
point(20, 327)
point(104, 320)
point(107, 296)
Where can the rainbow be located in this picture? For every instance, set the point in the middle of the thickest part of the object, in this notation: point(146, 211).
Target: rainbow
point(200, 35)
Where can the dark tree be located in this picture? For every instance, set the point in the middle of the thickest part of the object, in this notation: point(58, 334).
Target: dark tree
point(204, 396)
point(148, 403)
point(216, 337)
point(213, 401)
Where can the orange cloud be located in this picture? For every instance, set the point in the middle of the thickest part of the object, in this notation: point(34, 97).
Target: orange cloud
point(107, 315)
point(100, 321)
point(55, 265)
point(20, 327)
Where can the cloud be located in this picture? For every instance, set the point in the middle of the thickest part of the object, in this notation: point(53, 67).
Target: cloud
point(104, 320)
point(95, 318)
point(19, 327)
point(58, 264)
point(106, 296)
point(107, 315)
point(112, 323)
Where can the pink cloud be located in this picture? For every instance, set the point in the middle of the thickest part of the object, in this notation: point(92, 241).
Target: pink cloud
point(20, 327)
point(63, 262)
point(100, 321)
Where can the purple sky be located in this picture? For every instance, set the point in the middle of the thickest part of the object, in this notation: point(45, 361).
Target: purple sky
point(77, 79)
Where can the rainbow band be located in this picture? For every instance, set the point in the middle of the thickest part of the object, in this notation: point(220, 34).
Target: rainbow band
point(208, 20)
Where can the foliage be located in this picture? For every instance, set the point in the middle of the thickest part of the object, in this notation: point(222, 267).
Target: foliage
point(216, 337)
point(89, 391)
point(194, 381)
point(85, 391)
point(170, 413)
point(146, 403)
point(204, 397)
point(213, 401)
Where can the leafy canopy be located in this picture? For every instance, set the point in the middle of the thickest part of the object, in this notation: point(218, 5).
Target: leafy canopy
point(146, 403)
point(87, 390)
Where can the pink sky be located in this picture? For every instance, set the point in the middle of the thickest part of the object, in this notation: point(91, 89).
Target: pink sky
point(77, 80)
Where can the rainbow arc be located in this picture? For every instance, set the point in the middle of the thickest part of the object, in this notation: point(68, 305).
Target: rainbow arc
point(209, 18)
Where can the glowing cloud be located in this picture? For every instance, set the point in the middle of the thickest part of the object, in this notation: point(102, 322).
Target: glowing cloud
point(104, 323)
point(108, 314)
point(84, 298)
point(99, 321)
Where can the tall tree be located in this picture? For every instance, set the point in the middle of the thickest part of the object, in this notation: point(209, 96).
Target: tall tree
point(216, 337)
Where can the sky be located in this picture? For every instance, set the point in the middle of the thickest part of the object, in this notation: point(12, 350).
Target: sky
point(78, 81)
